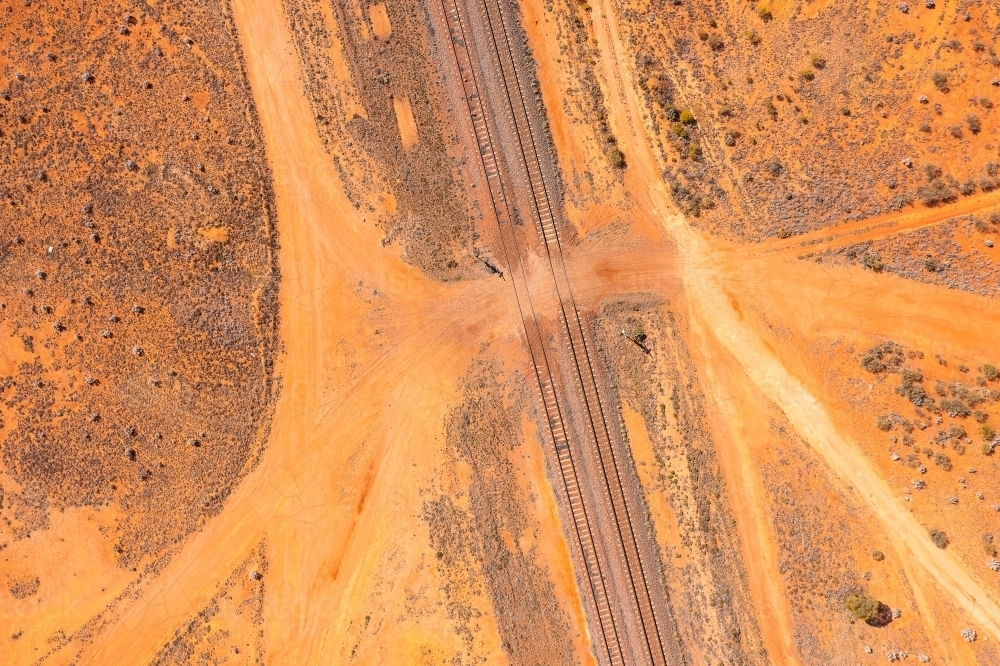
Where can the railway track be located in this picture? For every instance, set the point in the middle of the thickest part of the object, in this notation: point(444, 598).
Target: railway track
point(618, 617)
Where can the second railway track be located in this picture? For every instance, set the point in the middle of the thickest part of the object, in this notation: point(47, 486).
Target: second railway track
point(622, 576)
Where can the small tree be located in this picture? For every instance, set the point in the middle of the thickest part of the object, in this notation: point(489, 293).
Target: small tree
point(863, 606)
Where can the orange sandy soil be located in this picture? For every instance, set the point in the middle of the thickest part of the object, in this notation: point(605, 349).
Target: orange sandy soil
point(757, 320)
point(373, 355)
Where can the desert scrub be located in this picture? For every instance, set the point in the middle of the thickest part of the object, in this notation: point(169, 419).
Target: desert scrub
point(687, 117)
point(939, 538)
point(936, 192)
point(884, 423)
point(882, 357)
point(955, 408)
point(817, 61)
point(987, 433)
point(615, 156)
point(807, 74)
point(873, 261)
point(940, 81)
point(990, 372)
point(973, 123)
point(942, 461)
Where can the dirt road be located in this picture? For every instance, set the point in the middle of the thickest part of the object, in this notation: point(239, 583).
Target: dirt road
point(704, 279)
point(345, 448)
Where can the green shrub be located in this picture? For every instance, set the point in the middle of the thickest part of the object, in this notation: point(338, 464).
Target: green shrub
point(694, 151)
point(818, 61)
point(939, 538)
point(936, 192)
point(913, 391)
point(679, 130)
point(863, 606)
point(764, 11)
point(987, 432)
point(972, 122)
point(942, 461)
point(873, 261)
point(955, 408)
point(616, 157)
point(881, 357)
point(753, 38)
point(687, 117)
point(807, 74)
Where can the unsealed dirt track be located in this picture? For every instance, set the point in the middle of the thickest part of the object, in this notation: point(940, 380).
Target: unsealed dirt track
point(333, 459)
point(703, 279)
point(345, 566)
